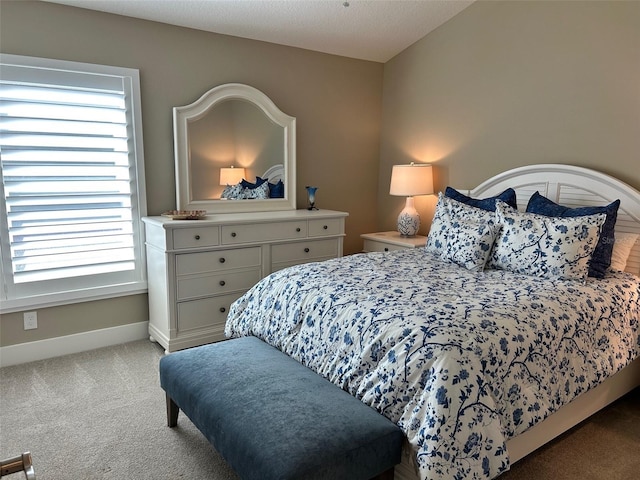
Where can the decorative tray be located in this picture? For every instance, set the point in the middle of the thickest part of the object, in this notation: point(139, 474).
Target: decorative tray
point(185, 214)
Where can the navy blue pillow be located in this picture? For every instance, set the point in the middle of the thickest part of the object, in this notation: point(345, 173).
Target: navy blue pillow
point(489, 204)
point(252, 186)
point(276, 190)
point(601, 258)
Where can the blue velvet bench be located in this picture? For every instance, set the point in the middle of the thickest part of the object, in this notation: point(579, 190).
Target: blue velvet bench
point(271, 417)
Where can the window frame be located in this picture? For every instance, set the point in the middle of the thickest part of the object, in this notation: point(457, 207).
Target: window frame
point(77, 289)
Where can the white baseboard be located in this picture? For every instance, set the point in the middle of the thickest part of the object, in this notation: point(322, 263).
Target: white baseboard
point(79, 342)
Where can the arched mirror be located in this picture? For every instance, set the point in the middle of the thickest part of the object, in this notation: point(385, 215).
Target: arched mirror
point(235, 151)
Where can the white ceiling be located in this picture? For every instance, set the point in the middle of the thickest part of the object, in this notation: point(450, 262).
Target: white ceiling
point(373, 30)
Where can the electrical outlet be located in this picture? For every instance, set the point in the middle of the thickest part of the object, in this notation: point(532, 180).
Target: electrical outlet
point(30, 320)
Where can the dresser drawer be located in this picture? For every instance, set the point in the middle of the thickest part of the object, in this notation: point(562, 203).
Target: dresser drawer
point(195, 286)
point(205, 312)
point(195, 237)
point(263, 232)
point(218, 260)
point(299, 252)
point(327, 226)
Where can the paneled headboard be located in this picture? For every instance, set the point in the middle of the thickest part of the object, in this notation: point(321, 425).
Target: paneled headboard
point(574, 187)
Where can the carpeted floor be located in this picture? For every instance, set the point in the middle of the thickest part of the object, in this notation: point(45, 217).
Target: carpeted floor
point(101, 415)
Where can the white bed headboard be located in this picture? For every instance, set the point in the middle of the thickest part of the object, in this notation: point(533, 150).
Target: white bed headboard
point(274, 174)
point(574, 187)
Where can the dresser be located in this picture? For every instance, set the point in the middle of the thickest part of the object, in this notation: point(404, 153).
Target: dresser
point(197, 268)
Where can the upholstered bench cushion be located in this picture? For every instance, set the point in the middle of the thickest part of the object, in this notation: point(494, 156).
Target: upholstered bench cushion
point(271, 417)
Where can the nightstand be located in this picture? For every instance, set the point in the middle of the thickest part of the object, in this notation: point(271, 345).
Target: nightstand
point(387, 241)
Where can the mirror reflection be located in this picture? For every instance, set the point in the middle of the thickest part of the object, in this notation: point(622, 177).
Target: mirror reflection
point(234, 134)
point(235, 152)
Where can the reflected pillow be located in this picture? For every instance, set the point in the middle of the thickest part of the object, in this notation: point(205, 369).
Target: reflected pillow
point(276, 190)
point(542, 246)
point(260, 192)
point(601, 258)
point(238, 192)
point(489, 204)
point(621, 250)
point(461, 234)
point(232, 192)
point(251, 186)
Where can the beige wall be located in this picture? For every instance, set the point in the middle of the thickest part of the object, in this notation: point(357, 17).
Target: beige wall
point(336, 100)
point(502, 84)
point(506, 84)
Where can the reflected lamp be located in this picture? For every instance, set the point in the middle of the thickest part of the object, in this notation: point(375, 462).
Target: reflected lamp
point(231, 175)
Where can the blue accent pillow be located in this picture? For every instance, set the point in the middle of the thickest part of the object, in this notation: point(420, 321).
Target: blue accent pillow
point(276, 190)
point(601, 258)
point(489, 204)
point(251, 186)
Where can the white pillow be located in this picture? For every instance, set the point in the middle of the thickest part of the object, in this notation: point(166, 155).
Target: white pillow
point(461, 233)
point(622, 246)
point(537, 245)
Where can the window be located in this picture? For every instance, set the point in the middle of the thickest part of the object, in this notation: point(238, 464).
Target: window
point(72, 180)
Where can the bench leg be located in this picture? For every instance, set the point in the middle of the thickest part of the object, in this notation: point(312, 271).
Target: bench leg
point(172, 412)
point(386, 475)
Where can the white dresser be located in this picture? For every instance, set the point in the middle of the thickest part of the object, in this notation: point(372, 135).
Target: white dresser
point(197, 268)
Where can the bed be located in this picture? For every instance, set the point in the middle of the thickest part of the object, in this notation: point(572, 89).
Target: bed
point(479, 367)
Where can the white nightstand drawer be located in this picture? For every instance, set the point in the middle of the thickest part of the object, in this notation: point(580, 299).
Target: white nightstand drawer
point(217, 260)
point(304, 251)
point(205, 312)
point(325, 226)
point(195, 237)
point(388, 241)
point(195, 286)
point(235, 234)
point(375, 246)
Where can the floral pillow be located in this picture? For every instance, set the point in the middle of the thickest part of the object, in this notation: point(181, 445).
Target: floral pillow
point(601, 258)
point(461, 234)
point(239, 192)
point(551, 247)
point(232, 191)
point(260, 192)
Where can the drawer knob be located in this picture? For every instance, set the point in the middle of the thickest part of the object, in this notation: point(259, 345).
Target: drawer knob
point(233, 234)
point(222, 283)
point(386, 249)
point(197, 237)
point(325, 227)
point(298, 229)
point(222, 260)
point(222, 309)
point(306, 250)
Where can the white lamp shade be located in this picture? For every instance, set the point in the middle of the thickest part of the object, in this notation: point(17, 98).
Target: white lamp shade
point(411, 180)
point(231, 175)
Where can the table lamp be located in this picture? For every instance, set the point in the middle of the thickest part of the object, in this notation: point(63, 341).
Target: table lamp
point(409, 181)
point(231, 175)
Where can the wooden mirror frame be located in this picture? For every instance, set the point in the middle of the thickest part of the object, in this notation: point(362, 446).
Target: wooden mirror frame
point(183, 116)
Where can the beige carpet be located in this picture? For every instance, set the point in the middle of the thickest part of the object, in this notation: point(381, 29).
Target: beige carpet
point(101, 415)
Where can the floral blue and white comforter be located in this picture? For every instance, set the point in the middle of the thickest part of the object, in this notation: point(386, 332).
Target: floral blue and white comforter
point(461, 361)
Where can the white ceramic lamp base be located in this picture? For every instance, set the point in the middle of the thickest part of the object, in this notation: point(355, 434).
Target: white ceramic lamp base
point(409, 219)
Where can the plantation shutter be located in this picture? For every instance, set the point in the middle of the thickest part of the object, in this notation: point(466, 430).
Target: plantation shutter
point(69, 176)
